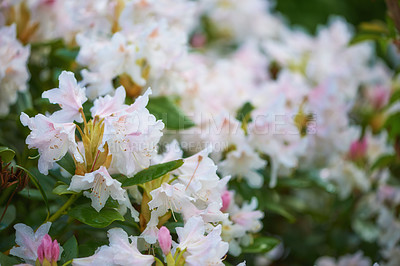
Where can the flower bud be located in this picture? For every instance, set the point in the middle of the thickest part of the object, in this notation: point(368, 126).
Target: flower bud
point(48, 251)
point(379, 97)
point(358, 149)
point(226, 200)
point(165, 240)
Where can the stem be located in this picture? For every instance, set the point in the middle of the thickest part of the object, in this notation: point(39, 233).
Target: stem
point(158, 261)
point(66, 205)
point(177, 261)
point(394, 12)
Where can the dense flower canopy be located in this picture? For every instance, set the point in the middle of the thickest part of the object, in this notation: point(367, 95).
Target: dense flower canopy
point(208, 132)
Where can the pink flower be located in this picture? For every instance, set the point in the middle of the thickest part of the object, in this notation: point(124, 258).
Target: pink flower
point(70, 96)
point(358, 149)
point(48, 250)
point(226, 200)
point(165, 240)
point(379, 96)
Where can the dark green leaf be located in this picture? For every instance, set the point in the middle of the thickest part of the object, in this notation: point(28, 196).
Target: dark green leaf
point(383, 161)
point(276, 208)
point(9, 216)
point(24, 101)
point(165, 109)
point(67, 162)
point(151, 173)
point(6, 154)
point(62, 189)
point(244, 112)
point(66, 54)
point(6, 260)
point(34, 194)
point(87, 215)
point(261, 245)
point(70, 250)
point(38, 186)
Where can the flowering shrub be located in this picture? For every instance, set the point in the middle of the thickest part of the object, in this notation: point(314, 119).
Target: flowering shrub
point(201, 132)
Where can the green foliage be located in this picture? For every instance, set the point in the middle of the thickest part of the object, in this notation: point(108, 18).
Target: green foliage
point(70, 250)
point(151, 173)
point(34, 180)
point(9, 216)
point(163, 108)
point(67, 162)
point(62, 189)
point(261, 245)
point(8, 260)
point(243, 114)
point(87, 215)
point(6, 154)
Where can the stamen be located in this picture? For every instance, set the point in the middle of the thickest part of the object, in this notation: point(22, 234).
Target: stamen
point(198, 163)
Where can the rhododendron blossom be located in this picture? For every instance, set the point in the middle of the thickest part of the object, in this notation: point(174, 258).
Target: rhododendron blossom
point(208, 132)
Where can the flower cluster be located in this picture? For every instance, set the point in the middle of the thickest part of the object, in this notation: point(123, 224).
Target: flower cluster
point(267, 104)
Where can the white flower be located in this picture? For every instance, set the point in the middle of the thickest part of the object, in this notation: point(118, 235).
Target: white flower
point(132, 136)
point(199, 174)
point(120, 252)
point(53, 140)
point(167, 197)
point(70, 96)
point(109, 105)
point(247, 216)
point(201, 249)
point(243, 162)
point(107, 59)
point(102, 186)
point(347, 176)
point(13, 67)
point(346, 260)
point(29, 241)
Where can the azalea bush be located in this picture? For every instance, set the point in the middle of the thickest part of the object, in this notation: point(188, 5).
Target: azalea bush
point(209, 132)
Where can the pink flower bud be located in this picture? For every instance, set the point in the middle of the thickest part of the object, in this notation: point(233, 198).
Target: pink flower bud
point(226, 200)
point(165, 240)
point(47, 245)
point(198, 40)
point(358, 149)
point(55, 253)
point(379, 96)
point(48, 250)
point(40, 253)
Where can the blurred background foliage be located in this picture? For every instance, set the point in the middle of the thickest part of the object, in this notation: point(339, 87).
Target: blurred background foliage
point(311, 13)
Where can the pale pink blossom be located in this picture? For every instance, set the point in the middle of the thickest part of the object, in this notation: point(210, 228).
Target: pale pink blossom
point(52, 139)
point(70, 96)
point(122, 250)
point(102, 186)
point(33, 245)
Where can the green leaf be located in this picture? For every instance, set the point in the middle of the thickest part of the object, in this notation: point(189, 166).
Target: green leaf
point(151, 173)
point(62, 189)
point(276, 208)
point(67, 162)
point(87, 215)
point(262, 245)
point(383, 161)
point(9, 216)
point(6, 154)
point(70, 250)
point(38, 186)
point(361, 37)
point(165, 109)
point(244, 112)
point(66, 54)
point(6, 260)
